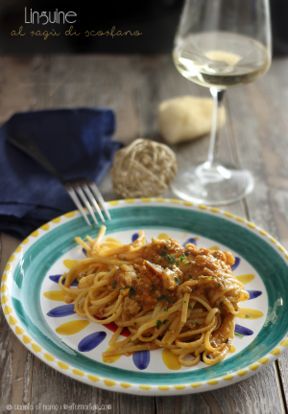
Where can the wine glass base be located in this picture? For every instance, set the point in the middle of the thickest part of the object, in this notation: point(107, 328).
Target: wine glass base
point(213, 185)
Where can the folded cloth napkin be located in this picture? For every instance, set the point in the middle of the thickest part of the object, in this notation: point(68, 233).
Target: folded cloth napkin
point(77, 142)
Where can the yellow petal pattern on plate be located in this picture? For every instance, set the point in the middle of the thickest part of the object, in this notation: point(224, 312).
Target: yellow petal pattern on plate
point(72, 327)
point(55, 295)
point(232, 349)
point(163, 236)
point(110, 359)
point(214, 247)
point(247, 313)
point(246, 278)
point(70, 263)
point(170, 360)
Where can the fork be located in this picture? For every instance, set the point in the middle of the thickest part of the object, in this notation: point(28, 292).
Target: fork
point(84, 193)
point(87, 198)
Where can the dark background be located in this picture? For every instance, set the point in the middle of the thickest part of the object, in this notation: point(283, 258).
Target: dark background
point(156, 19)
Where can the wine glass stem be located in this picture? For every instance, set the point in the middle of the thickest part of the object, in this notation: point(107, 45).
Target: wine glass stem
point(217, 95)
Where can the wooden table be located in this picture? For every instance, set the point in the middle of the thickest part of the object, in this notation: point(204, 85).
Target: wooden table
point(133, 86)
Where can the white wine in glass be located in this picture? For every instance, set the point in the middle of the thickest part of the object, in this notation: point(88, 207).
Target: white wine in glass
point(220, 43)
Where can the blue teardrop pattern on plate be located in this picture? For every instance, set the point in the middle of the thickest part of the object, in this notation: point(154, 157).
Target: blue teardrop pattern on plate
point(90, 342)
point(55, 279)
point(236, 264)
point(253, 294)
point(141, 359)
point(242, 330)
point(134, 237)
point(63, 310)
point(191, 240)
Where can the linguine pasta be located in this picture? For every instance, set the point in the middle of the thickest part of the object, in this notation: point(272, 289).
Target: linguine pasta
point(161, 294)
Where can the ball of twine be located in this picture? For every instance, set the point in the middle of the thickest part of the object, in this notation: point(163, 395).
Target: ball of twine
point(143, 169)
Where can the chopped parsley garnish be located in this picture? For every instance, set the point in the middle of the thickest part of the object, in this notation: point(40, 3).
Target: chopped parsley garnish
point(159, 323)
point(163, 297)
point(132, 291)
point(163, 252)
point(170, 258)
point(177, 280)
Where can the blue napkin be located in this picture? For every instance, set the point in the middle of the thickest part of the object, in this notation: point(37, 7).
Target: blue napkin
point(77, 142)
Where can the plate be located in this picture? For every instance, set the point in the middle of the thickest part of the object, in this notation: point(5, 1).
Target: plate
point(35, 310)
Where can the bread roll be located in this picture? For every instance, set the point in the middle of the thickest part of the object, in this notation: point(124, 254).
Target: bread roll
point(185, 118)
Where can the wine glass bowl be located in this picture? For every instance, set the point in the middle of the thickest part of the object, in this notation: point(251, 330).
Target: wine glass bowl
point(220, 43)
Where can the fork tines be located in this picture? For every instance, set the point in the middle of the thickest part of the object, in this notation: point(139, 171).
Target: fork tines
point(89, 200)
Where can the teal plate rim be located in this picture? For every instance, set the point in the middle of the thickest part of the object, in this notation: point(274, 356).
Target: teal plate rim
point(164, 384)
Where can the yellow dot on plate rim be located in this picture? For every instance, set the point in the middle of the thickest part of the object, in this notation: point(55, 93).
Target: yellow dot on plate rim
point(254, 367)
point(284, 342)
point(71, 214)
point(18, 249)
point(49, 357)
point(145, 387)
point(179, 387)
point(12, 320)
point(196, 385)
point(212, 382)
point(228, 377)
point(264, 360)
point(18, 330)
point(25, 241)
point(26, 339)
point(109, 383)
point(214, 209)
point(242, 373)
point(125, 385)
point(3, 289)
point(11, 258)
point(93, 378)
point(276, 351)
point(228, 214)
point(36, 348)
point(7, 310)
point(3, 299)
point(78, 372)
point(45, 227)
point(62, 365)
point(163, 388)
point(56, 220)
point(35, 233)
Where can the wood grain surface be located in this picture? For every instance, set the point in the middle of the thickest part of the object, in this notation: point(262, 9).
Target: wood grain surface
point(256, 137)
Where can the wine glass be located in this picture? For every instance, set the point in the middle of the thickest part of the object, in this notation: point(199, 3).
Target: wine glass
point(220, 43)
